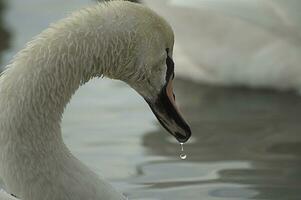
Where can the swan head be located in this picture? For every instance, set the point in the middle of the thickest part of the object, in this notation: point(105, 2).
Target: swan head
point(128, 42)
point(149, 68)
point(162, 101)
point(156, 88)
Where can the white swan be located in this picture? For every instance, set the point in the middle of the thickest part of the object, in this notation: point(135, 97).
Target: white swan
point(119, 40)
point(237, 42)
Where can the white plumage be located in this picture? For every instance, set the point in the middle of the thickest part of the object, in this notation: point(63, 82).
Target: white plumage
point(237, 42)
point(118, 39)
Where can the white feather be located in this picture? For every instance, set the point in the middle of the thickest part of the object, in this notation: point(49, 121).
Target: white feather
point(237, 42)
point(110, 40)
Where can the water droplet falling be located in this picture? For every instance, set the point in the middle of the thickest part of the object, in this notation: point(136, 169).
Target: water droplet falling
point(183, 156)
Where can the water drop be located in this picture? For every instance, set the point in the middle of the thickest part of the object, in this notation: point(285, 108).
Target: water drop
point(183, 156)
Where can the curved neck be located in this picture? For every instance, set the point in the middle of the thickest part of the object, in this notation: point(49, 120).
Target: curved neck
point(42, 78)
point(34, 91)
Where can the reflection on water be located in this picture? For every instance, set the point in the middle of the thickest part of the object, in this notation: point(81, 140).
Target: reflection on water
point(246, 144)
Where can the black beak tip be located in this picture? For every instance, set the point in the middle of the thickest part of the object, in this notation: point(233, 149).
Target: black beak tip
point(182, 138)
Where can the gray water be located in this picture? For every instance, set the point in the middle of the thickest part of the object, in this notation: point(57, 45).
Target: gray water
point(246, 144)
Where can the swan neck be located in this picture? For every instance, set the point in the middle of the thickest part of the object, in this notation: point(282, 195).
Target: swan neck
point(42, 78)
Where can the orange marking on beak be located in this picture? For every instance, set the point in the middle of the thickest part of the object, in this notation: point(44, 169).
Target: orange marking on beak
point(170, 94)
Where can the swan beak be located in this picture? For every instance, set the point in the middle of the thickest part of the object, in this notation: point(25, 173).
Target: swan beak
point(168, 114)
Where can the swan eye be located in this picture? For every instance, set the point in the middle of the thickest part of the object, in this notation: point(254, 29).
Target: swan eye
point(170, 67)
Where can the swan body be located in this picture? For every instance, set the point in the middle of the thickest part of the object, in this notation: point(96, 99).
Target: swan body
point(237, 42)
point(119, 40)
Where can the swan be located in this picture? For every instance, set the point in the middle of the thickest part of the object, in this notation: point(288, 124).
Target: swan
point(119, 40)
point(237, 42)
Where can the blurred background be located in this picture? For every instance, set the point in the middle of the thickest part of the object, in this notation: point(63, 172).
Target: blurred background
point(238, 79)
